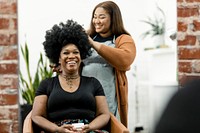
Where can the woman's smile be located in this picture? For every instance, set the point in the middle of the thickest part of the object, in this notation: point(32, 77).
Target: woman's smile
point(71, 63)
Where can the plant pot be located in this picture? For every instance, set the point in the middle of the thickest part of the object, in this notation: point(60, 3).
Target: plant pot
point(158, 40)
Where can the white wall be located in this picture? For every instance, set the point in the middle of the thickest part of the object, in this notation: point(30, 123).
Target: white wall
point(36, 16)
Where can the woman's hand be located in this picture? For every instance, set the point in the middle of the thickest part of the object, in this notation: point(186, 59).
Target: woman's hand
point(94, 44)
point(85, 128)
point(91, 41)
point(66, 128)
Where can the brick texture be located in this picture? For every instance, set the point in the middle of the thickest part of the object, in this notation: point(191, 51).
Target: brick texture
point(8, 67)
point(188, 39)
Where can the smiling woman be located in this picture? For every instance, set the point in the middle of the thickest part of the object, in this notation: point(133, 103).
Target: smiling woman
point(32, 30)
point(66, 44)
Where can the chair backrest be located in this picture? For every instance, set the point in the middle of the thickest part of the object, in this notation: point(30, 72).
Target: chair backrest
point(27, 126)
point(114, 126)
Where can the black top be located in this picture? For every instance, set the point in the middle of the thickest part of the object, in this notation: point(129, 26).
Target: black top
point(62, 105)
point(99, 38)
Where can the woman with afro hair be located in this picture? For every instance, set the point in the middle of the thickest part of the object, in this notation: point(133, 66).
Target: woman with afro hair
point(69, 97)
point(113, 51)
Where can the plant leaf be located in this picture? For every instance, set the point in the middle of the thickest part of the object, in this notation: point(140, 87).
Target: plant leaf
point(29, 87)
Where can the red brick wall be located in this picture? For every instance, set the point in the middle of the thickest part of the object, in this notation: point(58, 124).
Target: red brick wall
point(188, 37)
point(8, 67)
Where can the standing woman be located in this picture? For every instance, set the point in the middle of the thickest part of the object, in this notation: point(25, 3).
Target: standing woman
point(113, 52)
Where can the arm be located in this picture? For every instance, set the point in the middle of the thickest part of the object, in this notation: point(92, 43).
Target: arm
point(39, 116)
point(102, 115)
point(120, 57)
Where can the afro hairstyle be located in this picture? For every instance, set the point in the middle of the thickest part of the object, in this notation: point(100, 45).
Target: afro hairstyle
point(61, 35)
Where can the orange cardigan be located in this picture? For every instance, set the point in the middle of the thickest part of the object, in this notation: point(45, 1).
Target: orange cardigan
point(121, 57)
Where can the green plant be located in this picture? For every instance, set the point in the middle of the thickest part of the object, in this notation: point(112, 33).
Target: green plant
point(157, 24)
point(29, 86)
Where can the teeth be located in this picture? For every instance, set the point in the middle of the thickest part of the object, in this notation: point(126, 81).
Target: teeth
point(97, 26)
point(71, 62)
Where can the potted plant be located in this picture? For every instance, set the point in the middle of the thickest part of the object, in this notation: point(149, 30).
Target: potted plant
point(28, 86)
point(157, 28)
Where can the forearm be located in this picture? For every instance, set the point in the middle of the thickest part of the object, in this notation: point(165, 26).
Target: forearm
point(99, 122)
point(121, 58)
point(45, 124)
point(125, 53)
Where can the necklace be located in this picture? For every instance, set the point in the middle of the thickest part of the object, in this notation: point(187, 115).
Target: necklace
point(69, 80)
